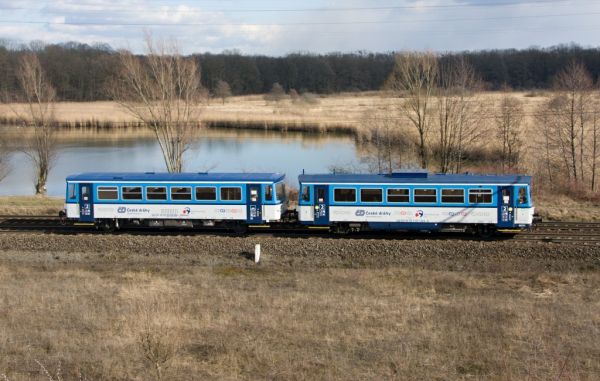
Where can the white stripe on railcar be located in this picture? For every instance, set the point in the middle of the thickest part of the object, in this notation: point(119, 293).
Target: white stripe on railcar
point(171, 211)
point(306, 213)
point(72, 210)
point(414, 214)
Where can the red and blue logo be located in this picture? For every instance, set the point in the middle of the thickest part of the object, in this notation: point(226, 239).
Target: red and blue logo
point(419, 213)
point(186, 211)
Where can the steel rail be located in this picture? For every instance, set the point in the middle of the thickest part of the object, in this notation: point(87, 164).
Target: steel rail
point(553, 231)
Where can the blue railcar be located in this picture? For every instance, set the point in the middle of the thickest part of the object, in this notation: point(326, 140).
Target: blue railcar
point(416, 201)
point(235, 200)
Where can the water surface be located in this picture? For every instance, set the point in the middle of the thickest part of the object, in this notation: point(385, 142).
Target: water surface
point(212, 150)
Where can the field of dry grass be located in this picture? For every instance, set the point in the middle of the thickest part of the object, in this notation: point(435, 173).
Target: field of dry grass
point(105, 317)
point(326, 113)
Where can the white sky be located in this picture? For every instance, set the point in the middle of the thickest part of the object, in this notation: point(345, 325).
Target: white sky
point(277, 27)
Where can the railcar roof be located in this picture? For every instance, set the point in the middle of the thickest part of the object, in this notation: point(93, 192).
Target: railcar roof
point(176, 177)
point(414, 178)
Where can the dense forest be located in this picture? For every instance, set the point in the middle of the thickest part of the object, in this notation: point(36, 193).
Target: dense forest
point(80, 72)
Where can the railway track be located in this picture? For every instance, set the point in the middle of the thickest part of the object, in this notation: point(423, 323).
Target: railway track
point(582, 233)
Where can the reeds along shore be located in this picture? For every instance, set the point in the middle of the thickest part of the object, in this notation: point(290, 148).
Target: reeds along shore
point(282, 126)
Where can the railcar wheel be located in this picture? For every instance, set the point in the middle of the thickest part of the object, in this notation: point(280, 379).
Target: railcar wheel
point(341, 229)
point(240, 229)
point(62, 216)
point(485, 231)
point(106, 226)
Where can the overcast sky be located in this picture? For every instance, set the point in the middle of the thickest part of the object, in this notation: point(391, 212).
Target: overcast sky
point(277, 27)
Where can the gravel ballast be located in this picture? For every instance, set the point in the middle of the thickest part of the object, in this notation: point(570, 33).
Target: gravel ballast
point(305, 252)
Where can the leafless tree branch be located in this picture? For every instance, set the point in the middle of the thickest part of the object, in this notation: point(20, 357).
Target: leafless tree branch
point(162, 91)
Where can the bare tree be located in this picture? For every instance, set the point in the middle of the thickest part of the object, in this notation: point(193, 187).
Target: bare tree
point(414, 77)
point(595, 145)
point(571, 114)
point(276, 94)
point(458, 111)
point(39, 97)
point(379, 129)
point(223, 90)
point(4, 164)
point(163, 92)
point(508, 129)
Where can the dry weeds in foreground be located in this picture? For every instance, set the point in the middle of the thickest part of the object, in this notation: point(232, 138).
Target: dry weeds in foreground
point(102, 321)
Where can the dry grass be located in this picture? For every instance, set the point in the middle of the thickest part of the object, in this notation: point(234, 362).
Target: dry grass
point(101, 320)
point(30, 205)
point(334, 112)
point(564, 208)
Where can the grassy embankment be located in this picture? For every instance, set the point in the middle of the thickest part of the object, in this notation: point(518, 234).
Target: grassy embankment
point(30, 205)
point(104, 315)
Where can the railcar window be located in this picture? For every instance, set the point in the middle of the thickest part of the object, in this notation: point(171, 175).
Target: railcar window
point(305, 193)
point(280, 191)
point(231, 193)
point(206, 193)
point(425, 195)
point(371, 195)
point(398, 195)
point(71, 192)
point(269, 193)
point(344, 195)
point(181, 193)
point(108, 193)
point(131, 193)
point(454, 196)
point(156, 193)
point(480, 196)
point(522, 195)
point(320, 195)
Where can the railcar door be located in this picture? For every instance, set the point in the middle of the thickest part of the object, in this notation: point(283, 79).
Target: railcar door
point(321, 205)
point(506, 206)
point(86, 203)
point(254, 204)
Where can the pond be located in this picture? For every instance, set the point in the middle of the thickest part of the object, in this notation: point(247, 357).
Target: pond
point(215, 150)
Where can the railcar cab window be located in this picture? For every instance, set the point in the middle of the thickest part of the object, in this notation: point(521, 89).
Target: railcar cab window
point(206, 193)
point(231, 193)
point(181, 193)
point(269, 193)
point(453, 196)
point(371, 195)
point(344, 195)
point(280, 191)
point(480, 196)
point(398, 195)
point(71, 194)
point(305, 193)
point(522, 195)
point(156, 193)
point(108, 193)
point(131, 193)
point(425, 196)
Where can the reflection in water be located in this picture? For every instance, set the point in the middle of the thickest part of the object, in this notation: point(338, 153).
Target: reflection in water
point(212, 149)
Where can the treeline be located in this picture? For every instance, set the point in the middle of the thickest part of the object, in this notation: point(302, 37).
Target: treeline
point(81, 72)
